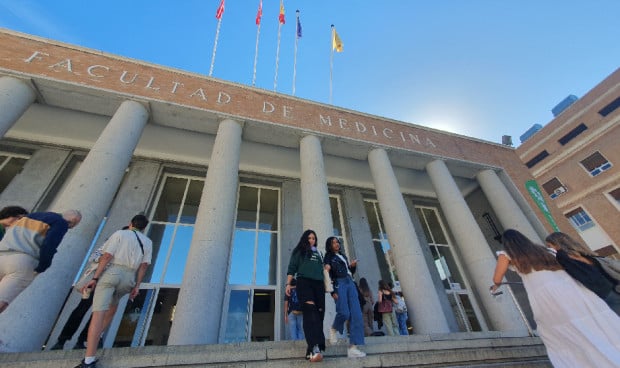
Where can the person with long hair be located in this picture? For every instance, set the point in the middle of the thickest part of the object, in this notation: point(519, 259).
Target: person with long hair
point(580, 262)
point(576, 326)
point(367, 310)
point(345, 295)
point(386, 297)
point(307, 264)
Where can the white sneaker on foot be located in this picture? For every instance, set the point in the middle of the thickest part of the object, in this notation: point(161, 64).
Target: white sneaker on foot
point(354, 352)
point(333, 336)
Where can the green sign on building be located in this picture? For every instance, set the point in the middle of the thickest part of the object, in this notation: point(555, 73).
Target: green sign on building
point(537, 196)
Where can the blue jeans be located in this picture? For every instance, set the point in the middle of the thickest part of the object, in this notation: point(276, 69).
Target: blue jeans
point(402, 323)
point(348, 308)
point(296, 326)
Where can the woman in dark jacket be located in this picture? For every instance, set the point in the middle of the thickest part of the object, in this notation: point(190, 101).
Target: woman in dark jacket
point(346, 297)
point(306, 262)
point(581, 264)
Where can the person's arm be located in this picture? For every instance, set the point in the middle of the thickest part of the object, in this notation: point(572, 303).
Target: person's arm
point(103, 263)
point(287, 290)
point(380, 297)
point(500, 270)
point(141, 272)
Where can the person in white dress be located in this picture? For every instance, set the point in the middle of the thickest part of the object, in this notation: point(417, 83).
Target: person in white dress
point(576, 326)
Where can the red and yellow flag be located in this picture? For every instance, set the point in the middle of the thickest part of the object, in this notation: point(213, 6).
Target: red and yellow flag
point(281, 16)
point(220, 10)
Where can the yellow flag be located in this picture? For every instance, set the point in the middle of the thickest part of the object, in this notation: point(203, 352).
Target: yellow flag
point(336, 41)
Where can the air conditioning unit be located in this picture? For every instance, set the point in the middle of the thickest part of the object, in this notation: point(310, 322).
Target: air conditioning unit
point(559, 190)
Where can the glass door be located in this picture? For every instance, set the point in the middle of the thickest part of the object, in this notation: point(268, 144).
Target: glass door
point(457, 288)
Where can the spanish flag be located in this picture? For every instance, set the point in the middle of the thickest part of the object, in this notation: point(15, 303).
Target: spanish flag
point(281, 16)
point(336, 41)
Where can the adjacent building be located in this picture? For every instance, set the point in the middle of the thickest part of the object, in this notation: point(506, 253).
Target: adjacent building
point(576, 160)
point(230, 176)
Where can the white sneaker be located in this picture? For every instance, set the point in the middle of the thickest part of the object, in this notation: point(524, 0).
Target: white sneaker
point(354, 352)
point(316, 355)
point(333, 336)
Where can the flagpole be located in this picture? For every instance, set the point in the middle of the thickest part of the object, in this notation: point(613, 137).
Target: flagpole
point(217, 33)
point(258, 21)
point(295, 57)
point(331, 64)
point(275, 78)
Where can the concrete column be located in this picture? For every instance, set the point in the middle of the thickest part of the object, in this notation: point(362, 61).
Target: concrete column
point(476, 255)
point(91, 191)
point(414, 274)
point(15, 98)
point(316, 211)
point(29, 186)
point(199, 309)
point(361, 238)
point(505, 207)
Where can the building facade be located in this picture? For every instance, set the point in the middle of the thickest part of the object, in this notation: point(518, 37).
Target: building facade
point(573, 158)
point(230, 176)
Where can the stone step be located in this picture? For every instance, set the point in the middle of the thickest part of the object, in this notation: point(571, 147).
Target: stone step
point(440, 350)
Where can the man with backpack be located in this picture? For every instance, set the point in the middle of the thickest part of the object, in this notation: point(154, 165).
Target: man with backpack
point(293, 316)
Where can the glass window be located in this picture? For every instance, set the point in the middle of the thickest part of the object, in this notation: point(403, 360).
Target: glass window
point(596, 164)
point(554, 188)
point(615, 195)
point(252, 278)
point(238, 316)
point(172, 227)
point(611, 107)
point(380, 241)
point(580, 219)
point(10, 166)
point(539, 157)
point(572, 134)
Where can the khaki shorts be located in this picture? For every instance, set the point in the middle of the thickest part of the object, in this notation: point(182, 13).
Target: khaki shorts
point(16, 273)
point(115, 282)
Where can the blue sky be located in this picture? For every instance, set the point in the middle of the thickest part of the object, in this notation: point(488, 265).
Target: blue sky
point(481, 68)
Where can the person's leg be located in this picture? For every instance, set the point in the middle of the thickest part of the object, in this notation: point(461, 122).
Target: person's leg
point(387, 322)
point(394, 323)
point(16, 273)
point(342, 306)
point(74, 321)
point(300, 326)
point(402, 323)
point(356, 322)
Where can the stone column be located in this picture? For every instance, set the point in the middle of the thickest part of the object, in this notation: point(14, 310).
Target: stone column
point(91, 191)
point(505, 207)
point(198, 312)
point(476, 255)
point(27, 188)
point(15, 98)
point(361, 237)
point(316, 211)
point(414, 274)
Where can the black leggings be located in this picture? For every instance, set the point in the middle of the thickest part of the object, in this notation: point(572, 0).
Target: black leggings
point(74, 321)
point(313, 291)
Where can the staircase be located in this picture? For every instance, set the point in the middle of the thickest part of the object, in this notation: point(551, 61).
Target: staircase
point(486, 349)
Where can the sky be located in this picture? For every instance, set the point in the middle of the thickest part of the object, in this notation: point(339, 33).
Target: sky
point(479, 68)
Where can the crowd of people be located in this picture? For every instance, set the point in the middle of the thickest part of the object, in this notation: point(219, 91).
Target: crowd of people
point(574, 294)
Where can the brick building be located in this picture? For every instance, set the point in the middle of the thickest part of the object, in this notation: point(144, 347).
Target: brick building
point(575, 159)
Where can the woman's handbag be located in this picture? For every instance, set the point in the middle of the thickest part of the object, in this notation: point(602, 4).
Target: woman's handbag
point(329, 287)
point(385, 306)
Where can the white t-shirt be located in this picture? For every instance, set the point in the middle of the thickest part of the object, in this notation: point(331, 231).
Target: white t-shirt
point(125, 248)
